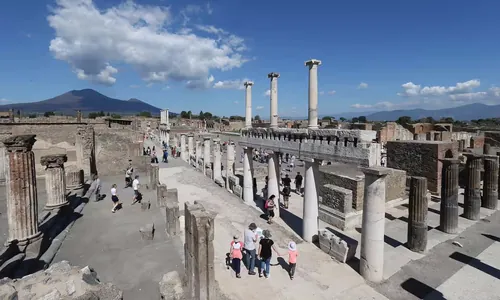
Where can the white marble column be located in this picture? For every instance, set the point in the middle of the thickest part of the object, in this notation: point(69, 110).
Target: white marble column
point(206, 154)
point(313, 92)
point(55, 180)
point(167, 118)
point(229, 163)
point(167, 137)
point(217, 170)
point(248, 104)
point(184, 153)
point(248, 193)
point(176, 141)
point(198, 154)
point(274, 99)
point(3, 164)
point(273, 181)
point(373, 225)
point(190, 148)
point(310, 208)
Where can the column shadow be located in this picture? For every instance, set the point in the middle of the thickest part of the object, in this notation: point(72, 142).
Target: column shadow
point(421, 290)
point(387, 239)
point(476, 263)
point(293, 221)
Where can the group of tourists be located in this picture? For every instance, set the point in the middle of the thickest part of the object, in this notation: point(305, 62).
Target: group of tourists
point(260, 256)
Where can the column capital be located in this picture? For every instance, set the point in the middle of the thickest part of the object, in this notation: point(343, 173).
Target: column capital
point(216, 141)
point(20, 143)
point(491, 157)
point(248, 83)
point(450, 161)
point(375, 171)
point(273, 75)
point(313, 62)
point(183, 134)
point(472, 156)
point(206, 138)
point(54, 161)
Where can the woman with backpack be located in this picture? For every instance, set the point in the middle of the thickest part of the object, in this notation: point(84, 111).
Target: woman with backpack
point(269, 206)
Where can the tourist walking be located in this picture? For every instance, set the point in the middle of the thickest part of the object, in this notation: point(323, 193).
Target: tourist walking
point(292, 258)
point(236, 255)
point(266, 248)
point(128, 175)
point(298, 183)
point(286, 195)
point(137, 193)
point(165, 156)
point(97, 192)
point(250, 238)
point(269, 206)
point(114, 198)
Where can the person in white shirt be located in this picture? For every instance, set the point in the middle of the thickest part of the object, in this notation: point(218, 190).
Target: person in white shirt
point(249, 247)
point(128, 175)
point(135, 186)
point(114, 198)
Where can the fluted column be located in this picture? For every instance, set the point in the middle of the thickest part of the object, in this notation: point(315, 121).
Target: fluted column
point(373, 224)
point(313, 92)
point(229, 163)
point(248, 193)
point(248, 104)
point(274, 99)
point(310, 208)
point(490, 182)
point(55, 180)
point(190, 148)
point(448, 215)
point(472, 197)
point(217, 170)
point(206, 154)
point(184, 150)
point(22, 198)
point(417, 215)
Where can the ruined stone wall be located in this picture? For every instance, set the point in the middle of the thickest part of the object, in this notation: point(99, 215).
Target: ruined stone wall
point(421, 128)
point(477, 142)
point(392, 131)
point(462, 135)
point(492, 138)
point(356, 185)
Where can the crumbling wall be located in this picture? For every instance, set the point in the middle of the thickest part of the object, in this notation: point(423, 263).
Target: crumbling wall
point(392, 131)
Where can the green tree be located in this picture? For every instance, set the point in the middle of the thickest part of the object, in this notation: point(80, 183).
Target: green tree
point(404, 120)
point(446, 120)
point(48, 114)
point(116, 116)
point(189, 114)
point(355, 120)
point(145, 114)
point(208, 115)
point(107, 114)
point(362, 119)
point(326, 118)
point(184, 114)
point(32, 116)
point(342, 119)
point(257, 118)
point(93, 115)
point(201, 115)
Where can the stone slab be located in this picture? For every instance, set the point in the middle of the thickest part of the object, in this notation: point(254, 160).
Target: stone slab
point(335, 246)
point(147, 232)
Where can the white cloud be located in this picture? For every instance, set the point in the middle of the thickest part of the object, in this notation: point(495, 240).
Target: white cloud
point(3, 100)
point(410, 89)
point(141, 36)
point(332, 92)
point(321, 93)
point(230, 84)
point(362, 85)
point(203, 83)
point(149, 85)
point(387, 105)
point(267, 93)
point(134, 86)
point(259, 107)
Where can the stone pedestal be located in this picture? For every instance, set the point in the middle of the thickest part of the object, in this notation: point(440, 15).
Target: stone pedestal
point(310, 209)
point(216, 169)
point(417, 215)
point(448, 217)
point(490, 182)
point(472, 197)
point(184, 151)
point(248, 104)
point(190, 148)
point(55, 180)
point(154, 176)
point(273, 182)
point(206, 154)
point(229, 164)
point(274, 99)
point(313, 92)
point(248, 194)
point(373, 224)
point(22, 198)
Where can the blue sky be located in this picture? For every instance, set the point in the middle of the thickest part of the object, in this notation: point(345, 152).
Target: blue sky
point(194, 55)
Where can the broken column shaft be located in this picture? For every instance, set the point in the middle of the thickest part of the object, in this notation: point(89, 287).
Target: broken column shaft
point(217, 169)
point(248, 194)
point(417, 215)
point(229, 164)
point(448, 216)
point(55, 180)
point(490, 183)
point(472, 199)
point(22, 198)
point(206, 154)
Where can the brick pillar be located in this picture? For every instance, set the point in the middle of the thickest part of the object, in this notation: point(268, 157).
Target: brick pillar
point(22, 199)
point(85, 150)
point(490, 183)
point(448, 217)
point(417, 215)
point(55, 180)
point(472, 199)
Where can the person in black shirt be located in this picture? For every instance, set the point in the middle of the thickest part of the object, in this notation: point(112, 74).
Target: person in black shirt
point(286, 181)
point(298, 183)
point(266, 248)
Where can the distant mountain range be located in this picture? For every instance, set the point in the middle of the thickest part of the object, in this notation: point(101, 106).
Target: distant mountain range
point(86, 100)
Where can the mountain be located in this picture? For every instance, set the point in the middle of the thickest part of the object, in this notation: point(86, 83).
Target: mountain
point(464, 113)
point(86, 100)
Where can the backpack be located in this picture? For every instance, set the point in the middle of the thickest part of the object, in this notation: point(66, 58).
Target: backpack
point(269, 204)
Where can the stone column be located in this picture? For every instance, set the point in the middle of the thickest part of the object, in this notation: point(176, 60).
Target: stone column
point(167, 137)
point(198, 154)
point(310, 209)
point(460, 146)
point(184, 153)
point(167, 118)
point(448, 217)
point(490, 182)
point(229, 163)
point(417, 215)
point(3, 164)
point(216, 169)
point(373, 225)
point(273, 181)
point(22, 198)
point(55, 180)
point(248, 194)
point(274, 99)
point(472, 197)
point(85, 149)
point(313, 92)
point(79, 116)
point(248, 104)
point(206, 154)
point(190, 147)
point(486, 148)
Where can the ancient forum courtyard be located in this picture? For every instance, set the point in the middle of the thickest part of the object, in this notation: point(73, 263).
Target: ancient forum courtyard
point(400, 212)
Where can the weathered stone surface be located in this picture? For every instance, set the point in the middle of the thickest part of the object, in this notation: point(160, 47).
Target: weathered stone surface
point(335, 246)
point(74, 179)
point(60, 281)
point(85, 149)
point(337, 198)
point(161, 195)
point(238, 191)
point(147, 232)
point(172, 218)
point(145, 205)
point(55, 180)
point(171, 287)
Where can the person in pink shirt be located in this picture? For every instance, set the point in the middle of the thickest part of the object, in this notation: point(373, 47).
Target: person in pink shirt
point(292, 258)
point(236, 255)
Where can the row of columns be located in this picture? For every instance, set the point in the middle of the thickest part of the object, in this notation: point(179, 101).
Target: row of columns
point(165, 136)
point(273, 114)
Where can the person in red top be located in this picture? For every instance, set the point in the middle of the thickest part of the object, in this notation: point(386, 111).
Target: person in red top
point(236, 255)
point(292, 258)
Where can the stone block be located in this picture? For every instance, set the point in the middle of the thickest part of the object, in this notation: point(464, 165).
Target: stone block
point(161, 195)
point(147, 232)
point(344, 176)
point(145, 205)
point(335, 246)
point(172, 218)
point(342, 221)
point(220, 182)
point(171, 287)
point(337, 198)
point(7, 290)
point(395, 184)
point(238, 191)
point(172, 195)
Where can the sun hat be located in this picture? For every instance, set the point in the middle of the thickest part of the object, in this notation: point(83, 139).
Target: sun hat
point(292, 246)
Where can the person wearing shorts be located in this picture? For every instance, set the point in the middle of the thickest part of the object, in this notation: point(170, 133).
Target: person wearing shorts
point(114, 198)
point(135, 186)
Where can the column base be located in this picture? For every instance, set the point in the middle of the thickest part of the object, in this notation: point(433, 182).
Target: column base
point(313, 127)
point(26, 241)
point(55, 206)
